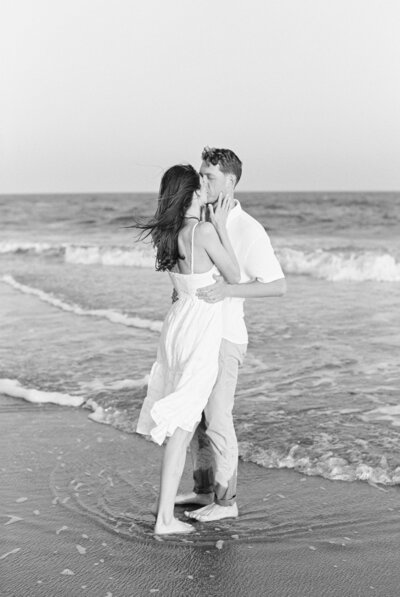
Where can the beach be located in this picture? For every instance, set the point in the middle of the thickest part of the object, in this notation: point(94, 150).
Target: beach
point(316, 412)
point(75, 520)
point(124, 125)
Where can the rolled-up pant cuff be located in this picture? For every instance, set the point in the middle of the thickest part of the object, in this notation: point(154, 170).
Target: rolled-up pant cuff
point(225, 495)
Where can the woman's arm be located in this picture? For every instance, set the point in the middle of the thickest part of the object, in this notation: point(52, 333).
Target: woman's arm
point(218, 219)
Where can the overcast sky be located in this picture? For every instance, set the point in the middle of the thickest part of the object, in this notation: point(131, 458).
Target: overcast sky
point(103, 95)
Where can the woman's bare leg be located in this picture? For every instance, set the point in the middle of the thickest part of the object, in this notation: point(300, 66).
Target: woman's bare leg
point(171, 473)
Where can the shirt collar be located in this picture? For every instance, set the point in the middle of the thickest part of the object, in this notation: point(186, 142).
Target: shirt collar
point(235, 211)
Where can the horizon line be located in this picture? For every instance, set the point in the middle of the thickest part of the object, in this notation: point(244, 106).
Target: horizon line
point(335, 191)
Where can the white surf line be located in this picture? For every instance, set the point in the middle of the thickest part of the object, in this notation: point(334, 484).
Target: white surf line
point(12, 387)
point(113, 316)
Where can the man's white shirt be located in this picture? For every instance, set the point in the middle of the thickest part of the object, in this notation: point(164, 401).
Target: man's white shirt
point(257, 261)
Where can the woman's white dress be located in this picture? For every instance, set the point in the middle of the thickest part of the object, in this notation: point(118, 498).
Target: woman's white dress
point(182, 378)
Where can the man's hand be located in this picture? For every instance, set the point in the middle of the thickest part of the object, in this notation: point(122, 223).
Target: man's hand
point(214, 293)
point(174, 296)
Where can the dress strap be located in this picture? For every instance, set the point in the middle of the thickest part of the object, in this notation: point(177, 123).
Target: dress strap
point(192, 254)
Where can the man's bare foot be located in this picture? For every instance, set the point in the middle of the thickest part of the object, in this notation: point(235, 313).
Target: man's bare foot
point(183, 499)
point(214, 512)
point(202, 499)
point(175, 527)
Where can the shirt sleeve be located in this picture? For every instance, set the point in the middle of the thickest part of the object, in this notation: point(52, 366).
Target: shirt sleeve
point(261, 263)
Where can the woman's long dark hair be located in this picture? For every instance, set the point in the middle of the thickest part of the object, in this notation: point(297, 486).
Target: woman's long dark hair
point(175, 196)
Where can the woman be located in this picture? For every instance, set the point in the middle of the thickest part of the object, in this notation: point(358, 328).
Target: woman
point(186, 368)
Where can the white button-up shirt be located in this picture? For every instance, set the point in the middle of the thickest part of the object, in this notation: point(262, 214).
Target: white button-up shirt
point(257, 261)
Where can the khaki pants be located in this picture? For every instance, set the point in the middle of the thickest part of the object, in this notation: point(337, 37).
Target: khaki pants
point(214, 445)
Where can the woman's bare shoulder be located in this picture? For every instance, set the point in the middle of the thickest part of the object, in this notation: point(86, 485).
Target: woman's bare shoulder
point(205, 229)
point(206, 234)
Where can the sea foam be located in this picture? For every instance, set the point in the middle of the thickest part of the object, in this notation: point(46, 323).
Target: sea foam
point(12, 387)
point(327, 466)
point(111, 416)
point(340, 265)
point(109, 314)
point(324, 465)
point(136, 257)
point(334, 264)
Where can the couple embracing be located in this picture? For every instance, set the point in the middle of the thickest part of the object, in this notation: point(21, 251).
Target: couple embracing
point(216, 255)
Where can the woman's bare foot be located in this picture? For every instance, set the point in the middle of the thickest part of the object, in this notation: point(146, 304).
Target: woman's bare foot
point(175, 527)
point(201, 499)
point(214, 512)
point(154, 508)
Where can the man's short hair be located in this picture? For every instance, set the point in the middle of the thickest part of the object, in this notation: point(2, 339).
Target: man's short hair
point(226, 159)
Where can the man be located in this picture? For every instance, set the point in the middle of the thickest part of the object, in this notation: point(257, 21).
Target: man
point(214, 445)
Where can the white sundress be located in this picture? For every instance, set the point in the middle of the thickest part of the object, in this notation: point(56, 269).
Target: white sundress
point(182, 378)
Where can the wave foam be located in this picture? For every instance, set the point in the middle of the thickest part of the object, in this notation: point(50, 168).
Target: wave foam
point(339, 265)
point(12, 387)
point(138, 256)
point(334, 265)
point(111, 416)
point(110, 256)
point(109, 314)
point(328, 466)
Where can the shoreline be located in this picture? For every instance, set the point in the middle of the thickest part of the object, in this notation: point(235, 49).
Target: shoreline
point(75, 520)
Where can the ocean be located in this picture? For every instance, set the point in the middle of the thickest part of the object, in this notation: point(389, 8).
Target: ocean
point(319, 391)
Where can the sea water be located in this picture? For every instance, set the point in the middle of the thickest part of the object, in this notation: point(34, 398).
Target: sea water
point(319, 391)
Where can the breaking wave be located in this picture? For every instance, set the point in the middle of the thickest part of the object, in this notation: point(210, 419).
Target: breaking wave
point(139, 256)
point(335, 264)
point(341, 265)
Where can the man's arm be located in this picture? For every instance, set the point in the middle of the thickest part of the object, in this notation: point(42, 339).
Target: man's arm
point(221, 290)
point(257, 289)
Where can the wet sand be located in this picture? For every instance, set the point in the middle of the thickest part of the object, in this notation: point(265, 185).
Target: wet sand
point(74, 519)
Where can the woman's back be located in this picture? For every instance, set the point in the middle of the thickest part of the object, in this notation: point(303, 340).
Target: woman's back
point(196, 270)
point(194, 258)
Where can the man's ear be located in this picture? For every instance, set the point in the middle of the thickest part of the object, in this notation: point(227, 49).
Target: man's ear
point(232, 180)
